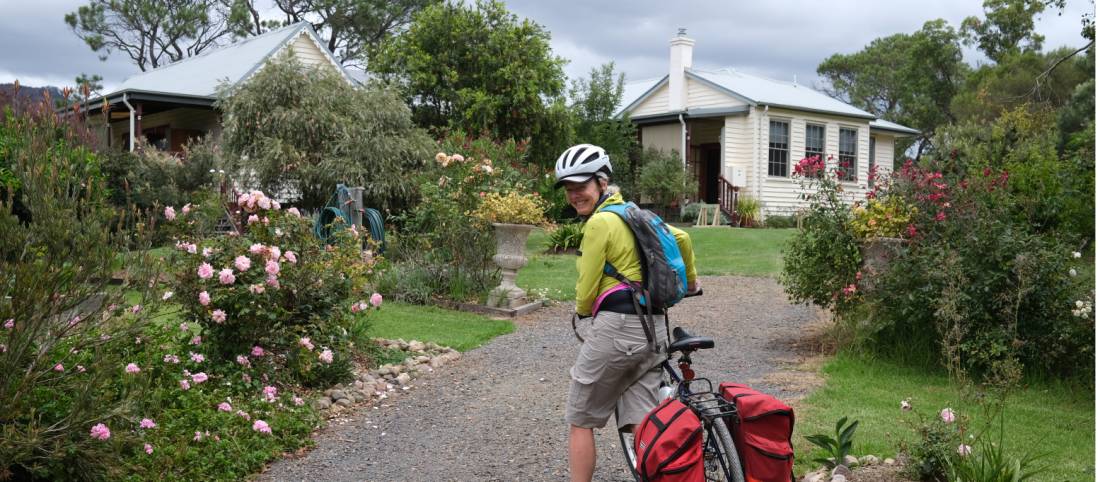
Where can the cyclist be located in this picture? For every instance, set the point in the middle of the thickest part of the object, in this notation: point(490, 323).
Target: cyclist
point(615, 367)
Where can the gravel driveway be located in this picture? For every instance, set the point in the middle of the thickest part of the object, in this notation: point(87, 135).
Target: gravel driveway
point(497, 413)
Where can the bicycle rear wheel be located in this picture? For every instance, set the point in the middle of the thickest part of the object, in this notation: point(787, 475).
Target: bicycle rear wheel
point(719, 454)
point(626, 440)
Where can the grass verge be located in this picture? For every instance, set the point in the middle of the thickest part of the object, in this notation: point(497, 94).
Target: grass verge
point(456, 329)
point(1047, 417)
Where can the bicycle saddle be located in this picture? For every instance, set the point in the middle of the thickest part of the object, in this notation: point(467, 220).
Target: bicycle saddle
point(687, 341)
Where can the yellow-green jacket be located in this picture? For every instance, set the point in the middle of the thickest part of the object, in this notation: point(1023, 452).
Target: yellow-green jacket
point(607, 239)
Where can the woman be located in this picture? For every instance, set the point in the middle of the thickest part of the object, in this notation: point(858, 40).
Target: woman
point(615, 369)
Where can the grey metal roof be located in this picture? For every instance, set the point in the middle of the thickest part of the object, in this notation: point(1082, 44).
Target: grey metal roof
point(885, 125)
point(200, 75)
point(764, 91)
point(636, 91)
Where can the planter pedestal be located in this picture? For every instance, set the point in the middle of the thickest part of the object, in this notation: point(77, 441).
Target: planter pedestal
point(511, 243)
point(877, 254)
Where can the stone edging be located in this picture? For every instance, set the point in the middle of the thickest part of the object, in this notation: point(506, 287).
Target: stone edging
point(844, 471)
point(374, 385)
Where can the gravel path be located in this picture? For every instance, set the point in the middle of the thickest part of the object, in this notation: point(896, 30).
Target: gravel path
point(497, 413)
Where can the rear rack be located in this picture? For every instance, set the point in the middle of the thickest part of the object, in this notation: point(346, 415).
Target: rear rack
point(711, 406)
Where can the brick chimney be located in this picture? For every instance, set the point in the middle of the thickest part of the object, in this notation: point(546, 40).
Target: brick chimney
point(679, 58)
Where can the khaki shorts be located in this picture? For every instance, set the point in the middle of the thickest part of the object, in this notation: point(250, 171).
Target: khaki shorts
point(615, 369)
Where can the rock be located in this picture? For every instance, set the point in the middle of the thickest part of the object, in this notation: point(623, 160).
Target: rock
point(338, 395)
point(851, 460)
point(395, 370)
point(343, 402)
point(818, 476)
point(437, 362)
point(838, 478)
point(869, 460)
point(889, 461)
point(423, 359)
point(416, 346)
point(328, 393)
point(841, 470)
point(404, 379)
point(404, 345)
point(322, 403)
point(359, 384)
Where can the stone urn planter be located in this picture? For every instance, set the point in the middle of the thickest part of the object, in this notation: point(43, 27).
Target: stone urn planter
point(877, 253)
point(511, 244)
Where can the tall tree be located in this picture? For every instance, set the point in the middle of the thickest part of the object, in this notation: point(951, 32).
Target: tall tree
point(593, 102)
point(353, 28)
point(477, 68)
point(1008, 27)
point(905, 78)
point(156, 32)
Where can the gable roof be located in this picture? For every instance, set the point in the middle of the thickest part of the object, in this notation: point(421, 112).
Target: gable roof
point(198, 77)
point(885, 125)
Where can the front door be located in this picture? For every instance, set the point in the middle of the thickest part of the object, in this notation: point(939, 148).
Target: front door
point(710, 160)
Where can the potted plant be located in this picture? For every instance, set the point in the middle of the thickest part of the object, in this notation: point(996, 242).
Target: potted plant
point(513, 216)
point(748, 211)
point(879, 224)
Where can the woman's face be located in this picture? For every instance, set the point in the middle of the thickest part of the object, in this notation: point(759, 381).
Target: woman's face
point(583, 196)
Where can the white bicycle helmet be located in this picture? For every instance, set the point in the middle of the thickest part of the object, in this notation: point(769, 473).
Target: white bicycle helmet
point(580, 163)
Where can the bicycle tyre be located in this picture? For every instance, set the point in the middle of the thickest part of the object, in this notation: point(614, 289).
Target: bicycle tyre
point(626, 440)
point(731, 462)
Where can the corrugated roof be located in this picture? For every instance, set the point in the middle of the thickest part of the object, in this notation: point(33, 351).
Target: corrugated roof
point(764, 91)
point(890, 126)
point(635, 90)
point(200, 75)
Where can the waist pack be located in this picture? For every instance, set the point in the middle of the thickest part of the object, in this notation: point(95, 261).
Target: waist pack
point(669, 444)
point(762, 435)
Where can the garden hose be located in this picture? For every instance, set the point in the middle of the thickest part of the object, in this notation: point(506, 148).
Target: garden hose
point(372, 219)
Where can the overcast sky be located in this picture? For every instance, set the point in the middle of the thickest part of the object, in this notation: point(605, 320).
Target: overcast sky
point(778, 39)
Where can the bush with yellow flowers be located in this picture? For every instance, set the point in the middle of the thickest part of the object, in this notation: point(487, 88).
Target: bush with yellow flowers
point(511, 208)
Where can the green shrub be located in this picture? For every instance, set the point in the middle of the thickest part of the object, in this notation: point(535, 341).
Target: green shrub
point(662, 179)
point(64, 331)
point(748, 210)
point(272, 286)
point(836, 447)
point(781, 222)
point(566, 237)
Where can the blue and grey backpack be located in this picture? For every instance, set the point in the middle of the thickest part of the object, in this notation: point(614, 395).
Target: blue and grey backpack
point(664, 275)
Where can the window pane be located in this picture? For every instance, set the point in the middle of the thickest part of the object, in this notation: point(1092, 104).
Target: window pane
point(778, 148)
point(871, 158)
point(815, 140)
point(847, 159)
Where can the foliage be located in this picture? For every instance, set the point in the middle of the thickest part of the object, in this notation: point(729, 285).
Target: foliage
point(566, 237)
point(511, 208)
point(905, 78)
point(990, 462)
point(155, 33)
point(747, 209)
point(1008, 27)
point(821, 261)
point(781, 222)
point(837, 447)
point(1029, 78)
point(272, 286)
point(299, 131)
point(662, 179)
point(984, 287)
point(593, 102)
point(61, 325)
point(440, 249)
point(479, 69)
point(886, 217)
point(352, 29)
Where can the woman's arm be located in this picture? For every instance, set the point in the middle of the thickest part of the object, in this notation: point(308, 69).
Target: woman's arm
point(593, 257)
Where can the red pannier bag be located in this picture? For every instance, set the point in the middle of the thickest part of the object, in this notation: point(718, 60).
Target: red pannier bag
point(669, 444)
point(762, 435)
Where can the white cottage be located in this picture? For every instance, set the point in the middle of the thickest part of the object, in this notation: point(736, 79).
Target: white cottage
point(173, 103)
point(743, 133)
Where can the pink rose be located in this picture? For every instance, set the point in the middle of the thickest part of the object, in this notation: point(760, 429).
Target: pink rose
point(947, 415)
point(298, 402)
point(196, 340)
point(273, 282)
point(325, 356)
point(243, 361)
point(226, 276)
point(253, 219)
point(257, 351)
point(244, 415)
point(256, 248)
point(376, 300)
point(964, 450)
point(305, 342)
point(242, 263)
point(147, 423)
point(185, 385)
point(204, 298)
point(10, 323)
point(184, 327)
point(256, 289)
point(149, 449)
point(132, 368)
point(270, 393)
point(225, 407)
point(59, 368)
point(205, 271)
point(186, 208)
point(294, 212)
point(261, 426)
point(199, 377)
point(206, 252)
point(197, 358)
point(273, 252)
point(171, 359)
point(291, 257)
point(218, 316)
point(101, 432)
point(169, 213)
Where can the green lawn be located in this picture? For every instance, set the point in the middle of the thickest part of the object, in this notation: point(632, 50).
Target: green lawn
point(456, 329)
point(1046, 417)
point(718, 251)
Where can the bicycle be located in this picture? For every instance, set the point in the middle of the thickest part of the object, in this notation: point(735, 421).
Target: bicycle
point(720, 459)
